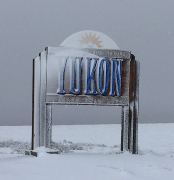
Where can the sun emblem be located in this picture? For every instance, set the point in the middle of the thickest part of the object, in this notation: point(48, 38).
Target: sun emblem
point(91, 40)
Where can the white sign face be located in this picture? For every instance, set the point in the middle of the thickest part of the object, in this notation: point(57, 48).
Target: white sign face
point(89, 39)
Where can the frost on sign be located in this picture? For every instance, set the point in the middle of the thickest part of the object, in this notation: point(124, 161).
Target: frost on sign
point(88, 76)
point(87, 73)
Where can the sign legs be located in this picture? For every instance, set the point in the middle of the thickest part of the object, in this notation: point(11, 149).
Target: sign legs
point(129, 129)
point(48, 125)
point(124, 128)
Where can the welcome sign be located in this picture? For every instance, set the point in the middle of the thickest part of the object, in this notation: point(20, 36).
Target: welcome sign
point(88, 77)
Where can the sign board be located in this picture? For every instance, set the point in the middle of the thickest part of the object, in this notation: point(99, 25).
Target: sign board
point(103, 77)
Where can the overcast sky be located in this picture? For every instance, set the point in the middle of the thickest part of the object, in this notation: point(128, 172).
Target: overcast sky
point(144, 27)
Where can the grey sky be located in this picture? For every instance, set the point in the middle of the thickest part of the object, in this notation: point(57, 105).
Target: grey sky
point(144, 27)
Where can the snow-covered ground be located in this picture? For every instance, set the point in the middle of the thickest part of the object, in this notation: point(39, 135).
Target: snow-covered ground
point(89, 152)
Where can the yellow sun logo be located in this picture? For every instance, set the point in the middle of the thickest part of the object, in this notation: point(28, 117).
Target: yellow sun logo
point(91, 40)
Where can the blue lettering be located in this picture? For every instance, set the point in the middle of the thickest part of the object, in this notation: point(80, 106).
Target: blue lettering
point(61, 76)
point(104, 76)
point(116, 71)
point(75, 76)
point(90, 83)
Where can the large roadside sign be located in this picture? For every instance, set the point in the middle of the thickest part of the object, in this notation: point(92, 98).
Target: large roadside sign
point(100, 77)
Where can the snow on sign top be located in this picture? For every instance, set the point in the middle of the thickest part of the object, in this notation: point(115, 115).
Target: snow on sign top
point(89, 39)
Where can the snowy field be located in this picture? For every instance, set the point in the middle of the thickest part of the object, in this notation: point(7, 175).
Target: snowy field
point(89, 152)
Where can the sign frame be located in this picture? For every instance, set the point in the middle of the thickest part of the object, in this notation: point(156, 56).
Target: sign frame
point(42, 101)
